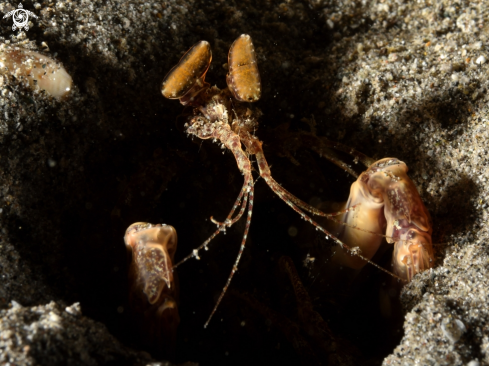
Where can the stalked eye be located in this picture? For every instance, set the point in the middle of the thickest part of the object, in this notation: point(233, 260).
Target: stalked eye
point(243, 78)
point(191, 69)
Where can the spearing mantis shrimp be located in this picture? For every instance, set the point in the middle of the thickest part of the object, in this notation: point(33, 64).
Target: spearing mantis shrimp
point(383, 189)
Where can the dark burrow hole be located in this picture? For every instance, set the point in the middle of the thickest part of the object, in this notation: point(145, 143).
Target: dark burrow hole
point(238, 333)
point(182, 183)
point(131, 170)
point(165, 177)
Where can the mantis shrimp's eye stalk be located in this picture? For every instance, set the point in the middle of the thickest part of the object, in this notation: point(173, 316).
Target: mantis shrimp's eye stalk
point(39, 70)
point(243, 78)
point(189, 72)
point(152, 285)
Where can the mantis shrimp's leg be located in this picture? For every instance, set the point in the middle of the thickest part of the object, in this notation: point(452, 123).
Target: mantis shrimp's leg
point(254, 146)
point(231, 140)
point(323, 147)
point(316, 144)
point(383, 192)
point(240, 253)
point(408, 221)
point(221, 225)
point(336, 351)
point(357, 155)
point(310, 337)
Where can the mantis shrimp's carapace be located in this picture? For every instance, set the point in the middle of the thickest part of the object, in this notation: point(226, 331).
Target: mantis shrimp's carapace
point(221, 116)
point(153, 291)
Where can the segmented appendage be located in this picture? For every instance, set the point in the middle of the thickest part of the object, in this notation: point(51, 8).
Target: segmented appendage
point(243, 78)
point(189, 73)
point(152, 289)
point(387, 198)
point(39, 70)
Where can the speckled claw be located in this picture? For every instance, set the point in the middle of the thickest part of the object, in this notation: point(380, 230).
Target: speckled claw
point(413, 254)
point(153, 289)
point(153, 248)
point(389, 204)
point(408, 221)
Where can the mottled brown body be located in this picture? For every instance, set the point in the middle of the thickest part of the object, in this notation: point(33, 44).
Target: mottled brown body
point(153, 291)
point(243, 78)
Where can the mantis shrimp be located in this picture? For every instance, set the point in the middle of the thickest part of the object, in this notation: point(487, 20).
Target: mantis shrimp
point(383, 193)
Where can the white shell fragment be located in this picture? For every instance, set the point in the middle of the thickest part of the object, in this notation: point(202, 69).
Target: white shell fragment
point(453, 328)
point(39, 70)
point(480, 60)
point(74, 309)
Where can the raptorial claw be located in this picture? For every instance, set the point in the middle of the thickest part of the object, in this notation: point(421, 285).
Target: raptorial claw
point(389, 201)
point(413, 254)
point(408, 221)
point(152, 288)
